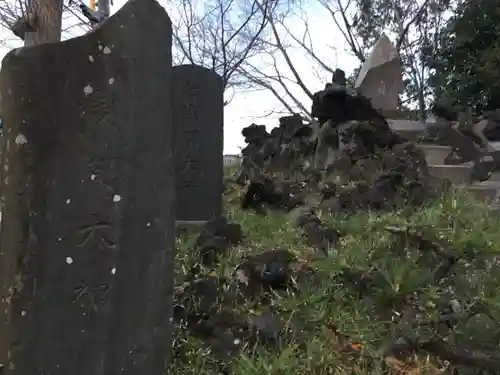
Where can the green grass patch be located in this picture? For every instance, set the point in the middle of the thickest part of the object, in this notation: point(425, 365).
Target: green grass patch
point(327, 314)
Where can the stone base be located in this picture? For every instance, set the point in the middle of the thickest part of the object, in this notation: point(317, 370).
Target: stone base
point(189, 226)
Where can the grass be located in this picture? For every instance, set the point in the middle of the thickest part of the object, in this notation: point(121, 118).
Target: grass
point(328, 314)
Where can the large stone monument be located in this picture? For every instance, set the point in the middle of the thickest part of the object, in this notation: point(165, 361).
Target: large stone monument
point(381, 76)
point(88, 201)
point(198, 110)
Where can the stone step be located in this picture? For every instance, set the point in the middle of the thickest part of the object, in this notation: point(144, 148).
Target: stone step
point(494, 146)
point(409, 129)
point(495, 176)
point(459, 175)
point(495, 209)
point(486, 191)
point(456, 174)
point(434, 154)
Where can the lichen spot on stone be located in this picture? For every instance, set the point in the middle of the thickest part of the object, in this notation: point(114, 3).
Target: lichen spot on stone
point(91, 58)
point(111, 80)
point(21, 139)
point(87, 90)
point(106, 50)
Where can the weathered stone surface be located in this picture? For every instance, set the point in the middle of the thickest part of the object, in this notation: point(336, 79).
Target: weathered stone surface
point(198, 110)
point(354, 162)
point(381, 76)
point(87, 201)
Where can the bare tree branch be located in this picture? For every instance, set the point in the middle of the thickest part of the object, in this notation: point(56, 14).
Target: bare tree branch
point(265, 81)
point(221, 35)
point(404, 31)
point(284, 53)
point(39, 21)
point(348, 32)
point(309, 49)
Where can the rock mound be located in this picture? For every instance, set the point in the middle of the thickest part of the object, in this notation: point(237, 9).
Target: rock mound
point(348, 159)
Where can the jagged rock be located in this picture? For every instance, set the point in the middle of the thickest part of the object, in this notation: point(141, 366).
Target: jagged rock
point(224, 332)
point(367, 136)
point(339, 77)
point(266, 192)
point(221, 227)
point(354, 151)
point(492, 129)
point(338, 104)
point(316, 233)
point(203, 308)
point(254, 133)
point(296, 216)
point(197, 299)
point(267, 327)
point(331, 205)
point(216, 238)
point(293, 127)
point(268, 270)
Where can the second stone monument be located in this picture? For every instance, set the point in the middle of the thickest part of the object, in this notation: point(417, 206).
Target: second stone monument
point(198, 110)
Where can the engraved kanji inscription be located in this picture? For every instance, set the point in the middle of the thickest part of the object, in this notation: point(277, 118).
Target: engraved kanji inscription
point(97, 105)
point(99, 172)
point(97, 233)
point(192, 90)
point(190, 110)
point(102, 170)
point(189, 166)
point(86, 258)
point(198, 115)
point(191, 103)
point(189, 172)
point(191, 137)
point(93, 294)
point(187, 183)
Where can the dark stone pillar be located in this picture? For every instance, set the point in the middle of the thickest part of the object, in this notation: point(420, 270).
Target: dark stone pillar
point(198, 112)
point(88, 201)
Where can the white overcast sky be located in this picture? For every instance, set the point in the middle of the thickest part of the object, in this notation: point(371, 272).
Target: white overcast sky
point(248, 107)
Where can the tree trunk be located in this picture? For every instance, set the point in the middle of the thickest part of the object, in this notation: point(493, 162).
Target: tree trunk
point(48, 15)
point(422, 113)
point(104, 7)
